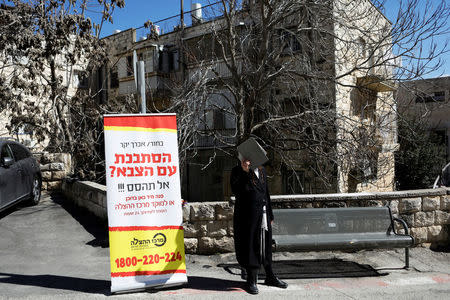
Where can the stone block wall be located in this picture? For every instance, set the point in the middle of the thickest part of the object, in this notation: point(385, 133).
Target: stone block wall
point(54, 168)
point(121, 41)
point(208, 226)
point(89, 195)
point(428, 217)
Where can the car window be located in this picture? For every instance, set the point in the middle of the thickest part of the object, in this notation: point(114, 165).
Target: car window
point(19, 152)
point(6, 152)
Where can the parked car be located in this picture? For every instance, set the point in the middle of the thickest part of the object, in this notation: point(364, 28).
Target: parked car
point(20, 175)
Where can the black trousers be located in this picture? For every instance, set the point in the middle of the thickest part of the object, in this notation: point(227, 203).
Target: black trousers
point(252, 273)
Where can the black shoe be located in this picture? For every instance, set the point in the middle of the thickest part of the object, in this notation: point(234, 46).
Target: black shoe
point(274, 281)
point(251, 288)
point(252, 279)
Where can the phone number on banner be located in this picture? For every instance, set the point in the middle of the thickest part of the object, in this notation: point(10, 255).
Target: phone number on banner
point(148, 259)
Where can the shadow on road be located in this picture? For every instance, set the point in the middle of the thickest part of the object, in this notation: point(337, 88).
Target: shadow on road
point(14, 208)
point(91, 223)
point(58, 282)
point(312, 268)
point(8, 211)
point(214, 284)
point(200, 283)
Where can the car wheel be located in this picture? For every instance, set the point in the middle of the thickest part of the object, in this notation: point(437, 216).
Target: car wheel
point(35, 196)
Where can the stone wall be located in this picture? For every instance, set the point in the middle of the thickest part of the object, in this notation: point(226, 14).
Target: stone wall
point(208, 226)
point(89, 195)
point(54, 168)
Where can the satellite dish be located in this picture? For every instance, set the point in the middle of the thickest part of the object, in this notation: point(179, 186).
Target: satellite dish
point(135, 68)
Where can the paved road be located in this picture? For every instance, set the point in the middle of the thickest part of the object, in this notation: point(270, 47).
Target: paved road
point(55, 251)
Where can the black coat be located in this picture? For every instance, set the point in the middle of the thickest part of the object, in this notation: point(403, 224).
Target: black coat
point(251, 195)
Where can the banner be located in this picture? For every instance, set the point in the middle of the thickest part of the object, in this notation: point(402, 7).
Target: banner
point(145, 215)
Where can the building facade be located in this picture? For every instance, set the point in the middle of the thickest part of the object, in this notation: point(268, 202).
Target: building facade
point(71, 81)
point(360, 96)
point(428, 100)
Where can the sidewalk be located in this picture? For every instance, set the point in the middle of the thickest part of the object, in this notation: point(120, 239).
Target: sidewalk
point(325, 275)
point(51, 251)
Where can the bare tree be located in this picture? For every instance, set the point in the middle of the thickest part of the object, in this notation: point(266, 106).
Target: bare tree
point(312, 80)
point(421, 156)
point(49, 50)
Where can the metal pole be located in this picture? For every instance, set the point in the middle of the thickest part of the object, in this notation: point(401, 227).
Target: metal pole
point(407, 258)
point(141, 85)
point(181, 46)
point(181, 14)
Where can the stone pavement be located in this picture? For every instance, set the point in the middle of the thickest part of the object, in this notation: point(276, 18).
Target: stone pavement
point(54, 251)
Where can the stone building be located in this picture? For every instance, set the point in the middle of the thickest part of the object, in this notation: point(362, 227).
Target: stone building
point(360, 96)
point(70, 79)
point(429, 100)
point(54, 166)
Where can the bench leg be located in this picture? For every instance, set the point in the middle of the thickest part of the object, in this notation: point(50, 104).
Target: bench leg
point(407, 258)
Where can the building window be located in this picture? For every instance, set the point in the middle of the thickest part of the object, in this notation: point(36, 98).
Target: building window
point(168, 61)
point(171, 61)
point(293, 182)
point(440, 136)
point(219, 119)
point(364, 104)
point(102, 85)
point(439, 96)
point(175, 60)
point(80, 80)
point(114, 78)
point(130, 65)
point(213, 119)
point(289, 105)
point(289, 42)
point(362, 48)
point(433, 97)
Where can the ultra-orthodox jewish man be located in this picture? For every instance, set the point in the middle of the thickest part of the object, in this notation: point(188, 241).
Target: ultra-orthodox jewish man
point(253, 218)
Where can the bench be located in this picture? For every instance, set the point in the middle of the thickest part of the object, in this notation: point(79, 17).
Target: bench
point(352, 228)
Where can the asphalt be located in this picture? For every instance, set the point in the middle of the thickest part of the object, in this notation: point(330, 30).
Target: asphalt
point(56, 251)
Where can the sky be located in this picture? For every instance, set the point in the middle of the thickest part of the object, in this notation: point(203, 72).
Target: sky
point(137, 12)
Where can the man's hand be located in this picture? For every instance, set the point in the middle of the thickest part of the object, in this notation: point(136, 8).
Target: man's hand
point(245, 164)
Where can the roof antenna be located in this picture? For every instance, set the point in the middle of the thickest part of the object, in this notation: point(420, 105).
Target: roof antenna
point(182, 14)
